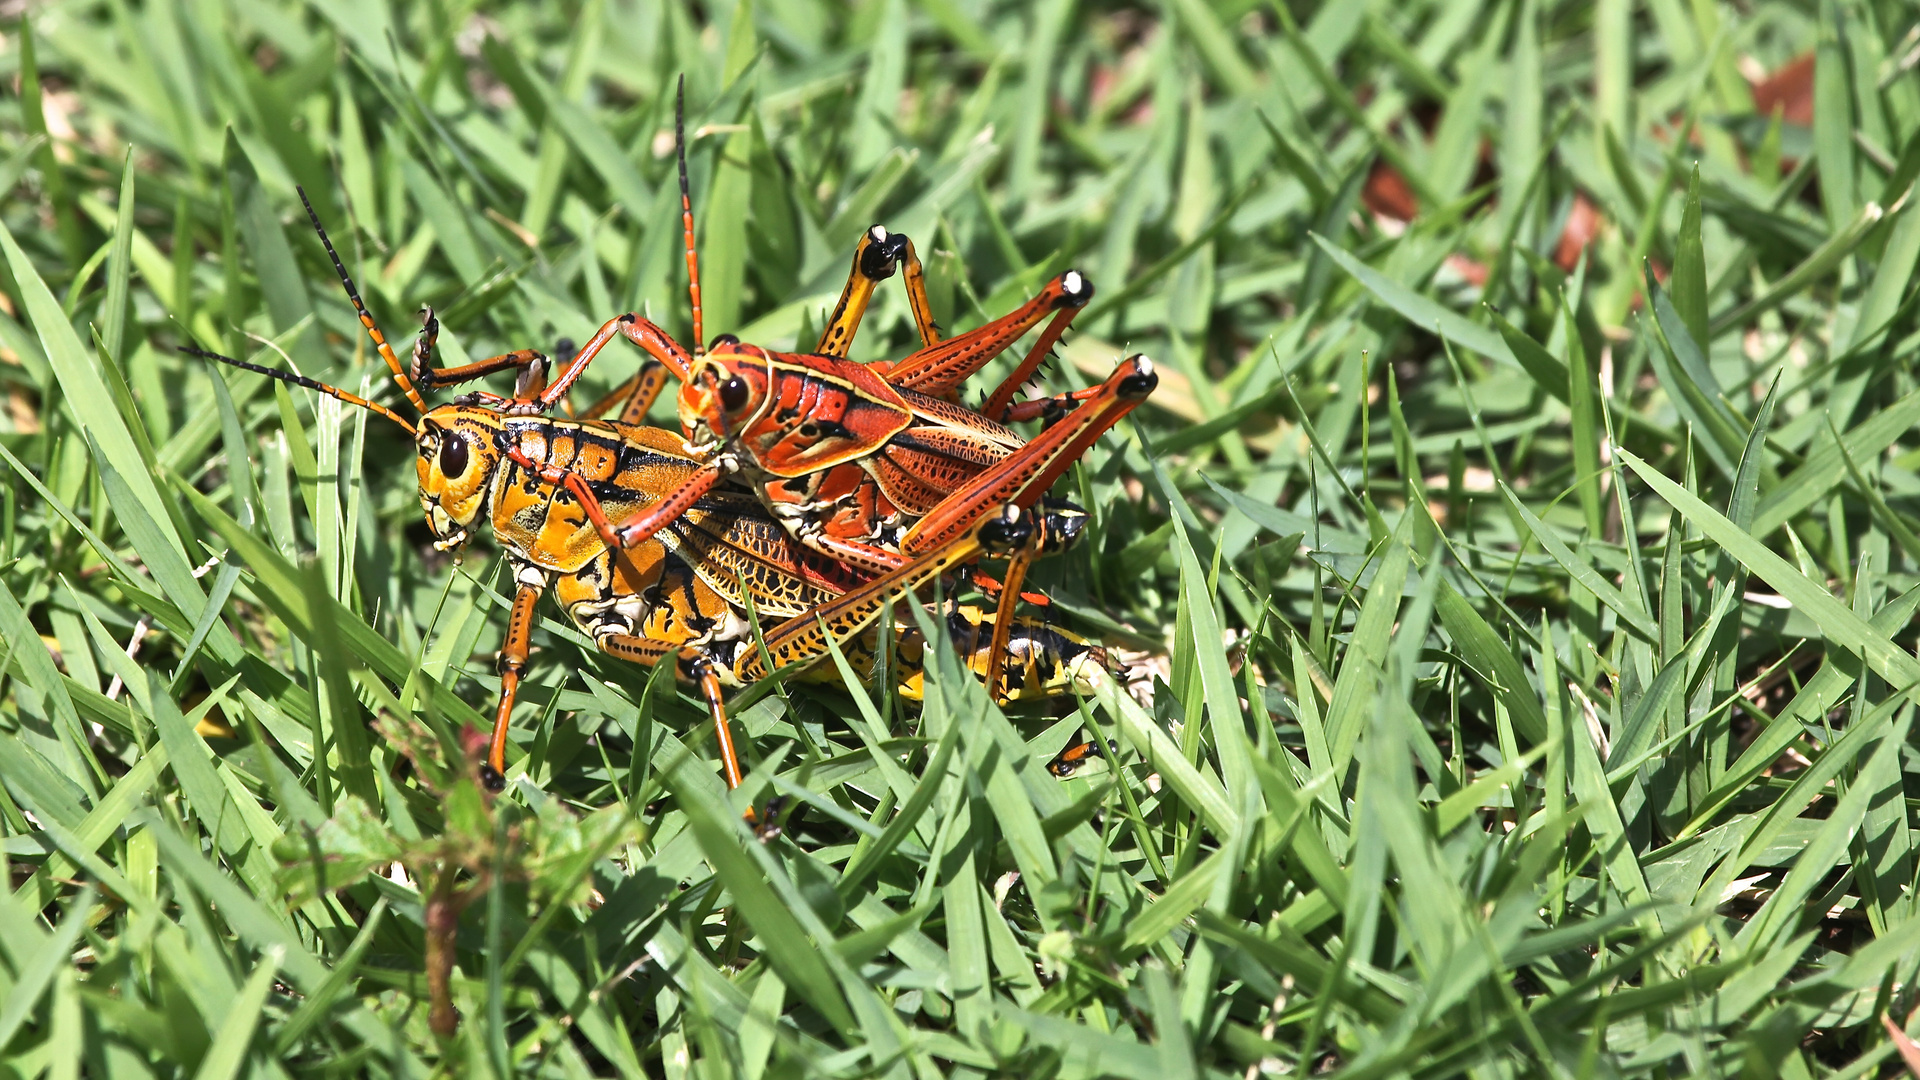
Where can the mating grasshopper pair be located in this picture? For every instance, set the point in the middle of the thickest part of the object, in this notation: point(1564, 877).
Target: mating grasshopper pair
point(871, 465)
point(685, 595)
point(876, 483)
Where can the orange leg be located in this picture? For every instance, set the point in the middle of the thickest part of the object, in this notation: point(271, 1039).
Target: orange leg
point(1048, 409)
point(861, 556)
point(638, 528)
point(1017, 564)
point(914, 277)
point(722, 731)
point(1069, 760)
point(1025, 476)
point(644, 525)
point(1132, 388)
point(533, 391)
point(938, 370)
point(513, 661)
point(573, 482)
point(656, 342)
point(427, 377)
point(647, 385)
point(1060, 524)
point(992, 586)
point(997, 404)
point(1055, 531)
point(635, 397)
point(695, 666)
point(430, 378)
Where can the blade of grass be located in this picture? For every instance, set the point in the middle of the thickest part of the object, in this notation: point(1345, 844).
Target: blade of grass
point(1836, 622)
point(80, 381)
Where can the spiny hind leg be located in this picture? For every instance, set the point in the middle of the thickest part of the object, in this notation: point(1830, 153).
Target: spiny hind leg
point(1024, 476)
point(1049, 410)
point(938, 370)
point(999, 402)
point(803, 638)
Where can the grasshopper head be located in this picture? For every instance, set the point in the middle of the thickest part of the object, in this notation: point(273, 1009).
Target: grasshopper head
point(458, 458)
point(726, 390)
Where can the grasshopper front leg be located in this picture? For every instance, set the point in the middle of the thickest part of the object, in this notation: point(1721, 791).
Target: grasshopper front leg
point(534, 393)
point(529, 363)
point(668, 358)
point(657, 343)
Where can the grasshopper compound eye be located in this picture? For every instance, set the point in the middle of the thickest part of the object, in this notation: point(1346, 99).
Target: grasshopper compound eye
point(453, 455)
point(733, 394)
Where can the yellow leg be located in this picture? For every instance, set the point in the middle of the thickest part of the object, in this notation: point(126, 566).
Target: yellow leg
point(695, 665)
point(804, 637)
point(876, 258)
point(513, 661)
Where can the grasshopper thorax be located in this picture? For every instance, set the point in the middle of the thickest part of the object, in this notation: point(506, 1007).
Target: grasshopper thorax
point(459, 450)
point(793, 413)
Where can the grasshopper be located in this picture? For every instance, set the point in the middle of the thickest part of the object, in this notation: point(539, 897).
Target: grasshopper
point(872, 465)
point(684, 595)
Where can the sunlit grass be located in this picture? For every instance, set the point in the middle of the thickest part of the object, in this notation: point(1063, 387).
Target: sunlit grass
point(1518, 555)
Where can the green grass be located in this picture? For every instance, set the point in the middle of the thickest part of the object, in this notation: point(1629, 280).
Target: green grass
point(1530, 656)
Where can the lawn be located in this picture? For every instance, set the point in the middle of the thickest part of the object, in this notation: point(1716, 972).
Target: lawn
point(1511, 577)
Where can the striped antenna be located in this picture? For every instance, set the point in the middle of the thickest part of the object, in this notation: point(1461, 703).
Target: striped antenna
point(366, 320)
point(686, 213)
point(302, 380)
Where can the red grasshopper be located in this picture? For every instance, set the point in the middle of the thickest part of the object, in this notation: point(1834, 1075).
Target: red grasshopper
point(869, 464)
